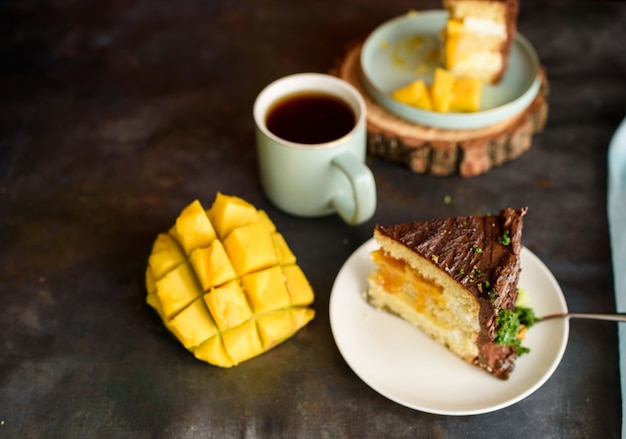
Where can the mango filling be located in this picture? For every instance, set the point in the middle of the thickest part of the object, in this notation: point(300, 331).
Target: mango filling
point(397, 277)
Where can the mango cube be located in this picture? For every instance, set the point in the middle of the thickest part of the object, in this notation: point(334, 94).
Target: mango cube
point(193, 325)
point(177, 289)
point(151, 298)
point(466, 94)
point(298, 286)
point(228, 213)
point(212, 351)
point(441, 90)
point(225, 282)
point(415, 94)
point(166, 254)
point(283, 252)
point(446, 93)
point(266, 221)
point(193, 228)
point(300, 317)
point(229, 306)
point(454, 30)
point(250, 248)
point(266, 289)
point(243, 342)
point(275, 327)
point(212, 265)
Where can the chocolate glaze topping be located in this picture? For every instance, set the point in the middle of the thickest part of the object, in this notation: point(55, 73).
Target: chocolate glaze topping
point(468, 249)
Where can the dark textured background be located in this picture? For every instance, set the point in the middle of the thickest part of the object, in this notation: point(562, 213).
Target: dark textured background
point(115, 115)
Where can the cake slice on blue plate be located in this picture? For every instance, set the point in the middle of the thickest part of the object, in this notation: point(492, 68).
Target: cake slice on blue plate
point(477, 38)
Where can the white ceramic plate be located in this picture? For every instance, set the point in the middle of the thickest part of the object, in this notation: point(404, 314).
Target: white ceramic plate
point(405, 49)
point(401, 363)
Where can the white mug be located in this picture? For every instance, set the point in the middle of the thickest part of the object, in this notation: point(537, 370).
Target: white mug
point(315, 179)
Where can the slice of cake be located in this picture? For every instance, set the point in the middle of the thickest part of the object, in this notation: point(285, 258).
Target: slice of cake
point(456, 280)
point(477, 37)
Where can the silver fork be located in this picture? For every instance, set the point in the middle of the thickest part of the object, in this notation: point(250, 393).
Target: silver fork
point(615, 317)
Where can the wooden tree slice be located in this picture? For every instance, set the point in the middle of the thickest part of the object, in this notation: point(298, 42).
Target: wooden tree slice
point(438, 151)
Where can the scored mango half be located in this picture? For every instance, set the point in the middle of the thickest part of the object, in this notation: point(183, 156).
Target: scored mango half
point(225, 282)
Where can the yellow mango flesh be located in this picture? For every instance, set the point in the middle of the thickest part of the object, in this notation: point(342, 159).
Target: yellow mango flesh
point(300, 317)
point(251, 248)
point(283, 252)
point(193, 325)
point(445, 94)
point(298, 287)
point(415, 94)
point(228, 305)
point(243, 342)
point(466, 95)
point(151, 298)
point(212, 265)
point(266, 289)
point(225, 282)
point(454, 29)
point(212, 351)
point(264, 218)
point(441, 90)
point(193, 228)
point(228, 213)
point(166, 254)
point(177, 289)
point(273, 328)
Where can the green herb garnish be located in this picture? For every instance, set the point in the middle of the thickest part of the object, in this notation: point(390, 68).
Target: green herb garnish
point(505, 239)
point(508, 325)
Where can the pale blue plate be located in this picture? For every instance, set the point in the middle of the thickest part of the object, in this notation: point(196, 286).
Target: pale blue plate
point(406, 48)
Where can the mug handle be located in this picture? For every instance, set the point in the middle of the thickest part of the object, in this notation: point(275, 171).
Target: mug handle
point(357, 204)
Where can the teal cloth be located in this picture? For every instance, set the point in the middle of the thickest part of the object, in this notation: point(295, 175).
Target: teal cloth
point(617, 228)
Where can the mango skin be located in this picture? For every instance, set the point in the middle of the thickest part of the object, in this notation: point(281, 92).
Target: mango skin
point(226, 284)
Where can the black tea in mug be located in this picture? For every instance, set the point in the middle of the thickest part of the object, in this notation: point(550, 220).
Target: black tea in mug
point(310, 118)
